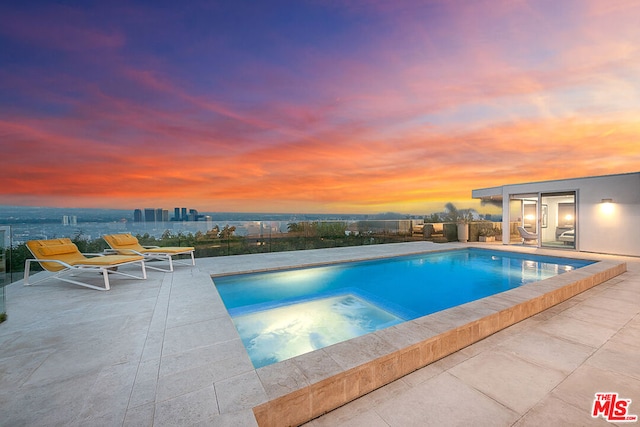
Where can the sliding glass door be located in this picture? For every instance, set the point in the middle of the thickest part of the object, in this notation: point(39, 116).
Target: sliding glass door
point(523, 212)
point(548, 219)
point(558, 220)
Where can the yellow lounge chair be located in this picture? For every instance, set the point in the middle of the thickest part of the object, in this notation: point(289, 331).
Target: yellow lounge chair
point(62, 257)
point(128, 244)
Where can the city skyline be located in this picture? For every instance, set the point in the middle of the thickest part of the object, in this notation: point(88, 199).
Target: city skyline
point(310, 107)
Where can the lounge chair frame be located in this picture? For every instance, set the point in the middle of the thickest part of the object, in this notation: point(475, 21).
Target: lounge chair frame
point(62, 269)
point(527, 236)
point(150, 253)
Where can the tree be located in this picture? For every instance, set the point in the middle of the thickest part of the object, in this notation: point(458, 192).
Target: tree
point(452, 214)
point(434, 217)
point(227, 232)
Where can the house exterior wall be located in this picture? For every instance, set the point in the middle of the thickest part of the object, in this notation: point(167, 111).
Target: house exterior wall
point(616, 231)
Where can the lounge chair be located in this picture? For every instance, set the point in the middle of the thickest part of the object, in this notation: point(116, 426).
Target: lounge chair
point(127, 244)
point(527, 236)
point(568, 237)
point(62, 257)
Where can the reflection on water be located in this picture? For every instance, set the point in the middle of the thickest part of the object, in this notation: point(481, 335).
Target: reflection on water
point(284, 332)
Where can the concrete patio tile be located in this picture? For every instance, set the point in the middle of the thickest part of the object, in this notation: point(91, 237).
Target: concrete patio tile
point(444, 400)
point(188, 409)
point(244, 418)
point(422, 375)
point(579, 388)
point(630, 335)
point(143, 392)
point(615, 302)
point(199, 334)
point(361, 410)
point(556, 412)
point(316, 365)
point(153, 345)
point(349, 354)
point(184, 382)
point(345, 417)
point(112, 350)
point(215, 356)
point(453, 359)
point(282, 378)
point(614, 356)
point(17, 369)
point(502, 376)
point(557, 309)
point(626, 293)
point(139, 416)
point(58, 403)
point(546, 350)
point(577, 330)
point(243, 391)
point(606, 316)
point(113, 385)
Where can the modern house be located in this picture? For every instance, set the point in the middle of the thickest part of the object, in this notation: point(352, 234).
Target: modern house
point(592, 214)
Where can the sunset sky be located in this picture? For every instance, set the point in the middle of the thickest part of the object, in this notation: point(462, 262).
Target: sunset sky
point(355, 106)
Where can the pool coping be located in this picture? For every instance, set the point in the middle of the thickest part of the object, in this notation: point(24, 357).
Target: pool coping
point(307, 386)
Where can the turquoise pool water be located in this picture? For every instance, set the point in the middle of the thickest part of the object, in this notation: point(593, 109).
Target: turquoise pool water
point(286, 313)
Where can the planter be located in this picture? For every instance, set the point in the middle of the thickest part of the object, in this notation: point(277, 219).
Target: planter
point(463, 232)
point(487, 238)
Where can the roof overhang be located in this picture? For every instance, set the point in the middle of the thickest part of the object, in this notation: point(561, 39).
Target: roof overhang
point(492, 193)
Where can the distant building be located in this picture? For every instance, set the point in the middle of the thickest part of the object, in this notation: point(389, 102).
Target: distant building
point(69, 220)
point(149, 215)
point(154, 215)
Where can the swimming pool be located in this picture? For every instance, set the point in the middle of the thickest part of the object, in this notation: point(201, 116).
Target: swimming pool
point(283, 314)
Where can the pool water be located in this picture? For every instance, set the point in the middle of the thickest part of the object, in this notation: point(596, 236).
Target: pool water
point(286, 313)
point(284, 332)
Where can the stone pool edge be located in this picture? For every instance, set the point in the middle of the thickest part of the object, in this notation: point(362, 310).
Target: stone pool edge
point(308, 386)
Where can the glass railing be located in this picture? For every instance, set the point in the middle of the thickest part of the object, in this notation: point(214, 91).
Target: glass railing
point(222, 238)
point(5, 276)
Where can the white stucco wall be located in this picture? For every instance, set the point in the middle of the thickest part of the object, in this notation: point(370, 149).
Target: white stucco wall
point(615, 232)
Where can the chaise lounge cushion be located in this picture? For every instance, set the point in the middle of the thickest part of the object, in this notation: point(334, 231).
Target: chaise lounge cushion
point(125, 239)
point(65, 248)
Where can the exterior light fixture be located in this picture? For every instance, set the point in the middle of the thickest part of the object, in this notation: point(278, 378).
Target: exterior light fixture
point(607, 207)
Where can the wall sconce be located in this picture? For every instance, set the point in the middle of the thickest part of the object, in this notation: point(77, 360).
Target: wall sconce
point(606, 206)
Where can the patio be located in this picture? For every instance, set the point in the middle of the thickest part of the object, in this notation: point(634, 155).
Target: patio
point(164, 352)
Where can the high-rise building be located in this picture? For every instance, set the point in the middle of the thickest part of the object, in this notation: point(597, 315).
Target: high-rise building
point(150, 215)
point(193, 215)
point(137, 215)
point(69, 220)
point(183, 217)
point(176, 214)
